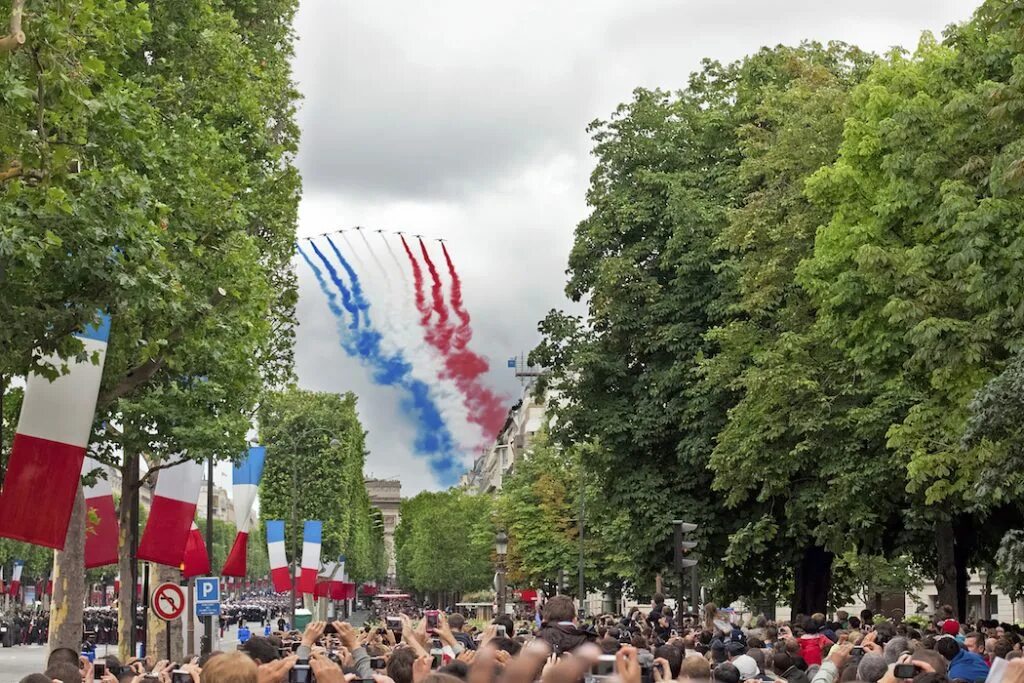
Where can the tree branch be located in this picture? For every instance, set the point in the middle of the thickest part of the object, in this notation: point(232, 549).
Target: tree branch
point(145, 371)
point(15, 37)
point(162, 466)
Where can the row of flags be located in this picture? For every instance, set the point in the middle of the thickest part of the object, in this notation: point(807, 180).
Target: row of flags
point(326, 580)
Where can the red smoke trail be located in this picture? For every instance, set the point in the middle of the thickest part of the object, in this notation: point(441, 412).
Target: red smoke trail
point(462, 365)
point(421, 299)
point(463, 333)
point(442, 328)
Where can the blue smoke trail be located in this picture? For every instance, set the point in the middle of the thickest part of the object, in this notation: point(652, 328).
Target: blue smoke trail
point(346, 296)
point(433, 439)
point(357, 287)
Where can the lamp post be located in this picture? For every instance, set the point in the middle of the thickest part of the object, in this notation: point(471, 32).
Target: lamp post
point(501, 546)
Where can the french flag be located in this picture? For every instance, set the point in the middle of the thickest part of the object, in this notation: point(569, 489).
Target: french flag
point(101, 521)
point(246, 481)
point(16, 578)
point(49, 446)
point(312, 532)
point(279, 572)
point(197, 560)
point(172, 513)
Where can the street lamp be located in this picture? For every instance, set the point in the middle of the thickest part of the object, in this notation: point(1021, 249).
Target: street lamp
point(501, 546)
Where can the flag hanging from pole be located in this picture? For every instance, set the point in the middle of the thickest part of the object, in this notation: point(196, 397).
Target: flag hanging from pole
point(171, 514)
point(49, 445)
point(279, 571)
point(19, 566)
point(246, 480)
point(312, 532)
point(101, 530)
point(197, 560)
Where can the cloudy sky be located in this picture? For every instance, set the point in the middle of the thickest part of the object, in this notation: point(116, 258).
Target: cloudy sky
point(466, 120)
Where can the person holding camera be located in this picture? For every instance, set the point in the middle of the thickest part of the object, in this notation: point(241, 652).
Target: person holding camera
point(559, 629)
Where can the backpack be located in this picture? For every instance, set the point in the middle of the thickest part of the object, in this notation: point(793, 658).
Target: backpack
point(810, 648)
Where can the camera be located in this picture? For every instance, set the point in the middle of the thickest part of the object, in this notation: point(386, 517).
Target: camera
point(432, 619)
point(301, 673)
point(857, 651)
point(394, 623)
point(905, 671)
point(99, 669)
point(603, 666)
point(179, 676)
point(378, 663)
point(500, 631)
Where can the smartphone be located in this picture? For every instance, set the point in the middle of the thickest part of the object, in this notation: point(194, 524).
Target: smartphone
point(394, 623)
point(330, 628)
point(500, 631)
point(905, 671)
point(431, 618)
point(378, 663)
point(857, 651)
point(437, 656)
point(604, 665)
point(300, 673)
point(179, 676)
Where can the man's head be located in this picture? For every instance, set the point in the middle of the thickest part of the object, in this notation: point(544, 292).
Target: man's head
point(932, 657)
point(975, 642)
point(947, 647)
point(727, 673)
point(1002, 647)
point(230, 667)
point(842, 616)
point(35, 678)
point(559, 608)
point(871, 668)
point(895, 647)
point(64, 672)
point(695, 668)
point(781, 662)
point(62, 655)
point(456, 622)
point(734, 649)
point(261, 649)
point(400, 665)
point(659, 599)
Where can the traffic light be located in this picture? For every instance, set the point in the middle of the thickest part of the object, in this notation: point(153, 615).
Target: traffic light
point(683, 545)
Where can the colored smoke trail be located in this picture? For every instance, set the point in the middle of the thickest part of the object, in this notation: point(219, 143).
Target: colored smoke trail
point(357, 286)
point(373, 254)
point(421, 300)
point(433, 439)
point(394, 257)
point(442, 329)
point(464, 332)
point(346, 296)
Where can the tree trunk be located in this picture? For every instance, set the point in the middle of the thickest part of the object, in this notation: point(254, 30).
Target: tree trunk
point(128, 522)
point(962, 547)
point(813, 578)
point(156, 644)
point(945, 579)
point(68, 604)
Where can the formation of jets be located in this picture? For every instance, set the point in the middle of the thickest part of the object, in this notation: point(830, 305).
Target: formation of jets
point(379, 232)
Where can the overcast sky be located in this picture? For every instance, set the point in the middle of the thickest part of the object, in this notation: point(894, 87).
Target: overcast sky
point(466, 120)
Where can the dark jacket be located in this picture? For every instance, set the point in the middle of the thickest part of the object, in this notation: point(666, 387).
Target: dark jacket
point(968, 666)
point(465, 639)
point(564, 637)
point(795, 675)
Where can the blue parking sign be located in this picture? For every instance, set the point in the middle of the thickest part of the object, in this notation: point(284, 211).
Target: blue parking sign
point(208, 589)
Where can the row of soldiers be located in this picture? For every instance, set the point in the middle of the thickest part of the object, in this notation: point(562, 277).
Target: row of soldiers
point(24, 627)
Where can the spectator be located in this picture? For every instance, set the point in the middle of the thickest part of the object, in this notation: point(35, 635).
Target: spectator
point(64, 672)
point(727, 673)
point(872, 668)
point(559, 629)
point(457, 623)
point(962, 664)
point(400, 665)
point(230, 667)
point(784, 666)
point(673, 655)
point(695, 668)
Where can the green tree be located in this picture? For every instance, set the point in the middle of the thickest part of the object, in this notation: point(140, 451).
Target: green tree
point(314, 471)
point(444, 543)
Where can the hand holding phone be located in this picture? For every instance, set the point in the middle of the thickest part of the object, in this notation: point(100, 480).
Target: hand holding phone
point(908, 670)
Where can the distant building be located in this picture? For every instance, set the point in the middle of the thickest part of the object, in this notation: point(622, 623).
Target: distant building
point(490, 468)
point(223, 508)
point(386, 496)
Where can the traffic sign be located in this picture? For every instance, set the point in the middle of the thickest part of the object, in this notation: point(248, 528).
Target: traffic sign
point(207, 609)
point(168, 601)
point(208, 589)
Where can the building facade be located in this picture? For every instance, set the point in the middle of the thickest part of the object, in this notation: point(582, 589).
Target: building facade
point(490, 468)
point(386, 496)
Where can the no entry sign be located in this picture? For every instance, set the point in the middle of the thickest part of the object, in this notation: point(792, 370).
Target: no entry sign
point(168, 601)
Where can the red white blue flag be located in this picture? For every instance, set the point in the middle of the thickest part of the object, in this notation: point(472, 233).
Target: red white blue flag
point(171, 514)
point(246, 482)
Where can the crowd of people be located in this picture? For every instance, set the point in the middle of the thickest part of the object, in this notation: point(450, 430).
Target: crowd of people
point(24, 627)
point(639, 647)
